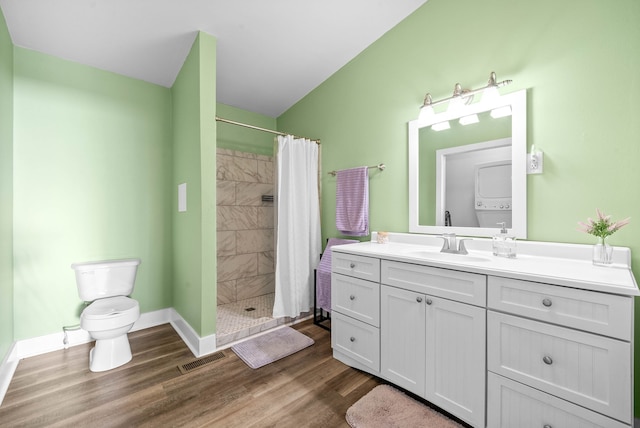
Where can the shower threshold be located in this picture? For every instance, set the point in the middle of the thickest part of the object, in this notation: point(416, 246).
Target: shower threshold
point(244, 318)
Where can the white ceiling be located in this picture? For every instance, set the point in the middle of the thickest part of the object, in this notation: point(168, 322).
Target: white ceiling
point(270, 53)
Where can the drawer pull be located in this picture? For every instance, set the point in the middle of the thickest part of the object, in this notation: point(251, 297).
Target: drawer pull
point(352, 297)
point(353, 339)
point(429, 301)
point(547, 360)
point(418, 299)
point(547, 302)
point(352, 265)
point(547, 426)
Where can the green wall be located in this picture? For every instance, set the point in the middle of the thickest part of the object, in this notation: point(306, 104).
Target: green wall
point(194, 157)
point(6, 189)
point(579, 60)
point(92, 172)
point(235, 137)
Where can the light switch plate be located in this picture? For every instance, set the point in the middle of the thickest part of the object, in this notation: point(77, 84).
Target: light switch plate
point(182, 197)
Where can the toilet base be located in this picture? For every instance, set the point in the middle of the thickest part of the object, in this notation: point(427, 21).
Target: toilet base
point(109, 354)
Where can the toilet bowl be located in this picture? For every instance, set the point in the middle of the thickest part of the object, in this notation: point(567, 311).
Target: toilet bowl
point(108, 321)
point(111, 314)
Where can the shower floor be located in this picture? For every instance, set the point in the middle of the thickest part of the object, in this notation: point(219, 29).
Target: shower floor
point(235, 322)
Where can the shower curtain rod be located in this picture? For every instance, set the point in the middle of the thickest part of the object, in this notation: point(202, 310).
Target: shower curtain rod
point(257, 128)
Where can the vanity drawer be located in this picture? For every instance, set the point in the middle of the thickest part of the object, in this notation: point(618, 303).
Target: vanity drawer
point(462, 287)
point(357, 266)
point(512, 404)
point(356, 298)
point(600, 313)
point(358, 341)
point(590, 370)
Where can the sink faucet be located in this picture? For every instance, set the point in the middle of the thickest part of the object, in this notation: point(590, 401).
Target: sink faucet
point(452, 245)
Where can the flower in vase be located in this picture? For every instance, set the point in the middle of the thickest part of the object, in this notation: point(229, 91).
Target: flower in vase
point(602, 226)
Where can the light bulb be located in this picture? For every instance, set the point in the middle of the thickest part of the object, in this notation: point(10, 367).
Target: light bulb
point(426, 113)
point(468, 120)
point(441, 126)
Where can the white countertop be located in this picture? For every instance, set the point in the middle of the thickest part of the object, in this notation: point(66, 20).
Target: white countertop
point(552, 263)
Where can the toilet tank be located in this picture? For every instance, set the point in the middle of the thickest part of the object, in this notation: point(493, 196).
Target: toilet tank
point(109, 278)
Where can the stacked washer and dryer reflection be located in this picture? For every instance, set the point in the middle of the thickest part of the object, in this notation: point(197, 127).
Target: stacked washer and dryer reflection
point(493, 203)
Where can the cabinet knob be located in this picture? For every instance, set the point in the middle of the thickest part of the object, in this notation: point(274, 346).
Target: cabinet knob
point(547, 302)
point(418, 299)
point(352, 297)
point(429, 301)
point(547, 426)
point(352, 265)
point(547, 360)
point(353, 339)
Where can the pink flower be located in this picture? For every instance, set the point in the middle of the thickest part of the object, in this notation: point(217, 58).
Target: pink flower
point(603, 226)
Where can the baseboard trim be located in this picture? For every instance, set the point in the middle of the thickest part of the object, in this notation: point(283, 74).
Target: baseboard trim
point(54, 342)
point(199, 346)
point(7, 369)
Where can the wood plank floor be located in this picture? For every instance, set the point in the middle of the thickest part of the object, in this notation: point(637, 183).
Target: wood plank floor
point(307, 389)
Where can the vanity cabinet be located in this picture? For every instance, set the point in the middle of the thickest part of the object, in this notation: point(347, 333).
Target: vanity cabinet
point(574, 345)
point(435, 346)
point(531, 342)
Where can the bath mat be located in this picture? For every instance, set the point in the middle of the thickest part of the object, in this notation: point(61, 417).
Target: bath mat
point(386, 407)
point(271, 347)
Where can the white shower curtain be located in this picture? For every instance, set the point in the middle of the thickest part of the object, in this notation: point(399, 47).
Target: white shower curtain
point(298, 237)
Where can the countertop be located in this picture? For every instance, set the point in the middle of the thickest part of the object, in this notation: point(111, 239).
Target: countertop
point(567, 265)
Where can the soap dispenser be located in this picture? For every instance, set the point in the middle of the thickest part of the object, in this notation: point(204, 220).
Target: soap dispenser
point(504, 245)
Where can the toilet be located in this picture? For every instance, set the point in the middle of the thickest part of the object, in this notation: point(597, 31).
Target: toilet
point(111, 314)
point(493, 202)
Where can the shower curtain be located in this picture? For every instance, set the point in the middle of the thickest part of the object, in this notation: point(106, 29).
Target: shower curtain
point(298, 237)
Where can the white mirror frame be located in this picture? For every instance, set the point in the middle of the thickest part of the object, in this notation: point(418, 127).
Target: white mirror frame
point(518, 102)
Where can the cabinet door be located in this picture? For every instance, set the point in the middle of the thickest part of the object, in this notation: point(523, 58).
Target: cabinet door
point(402, 338)
point(455, 358)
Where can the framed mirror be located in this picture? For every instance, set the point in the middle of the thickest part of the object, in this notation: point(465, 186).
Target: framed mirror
point(467, 178)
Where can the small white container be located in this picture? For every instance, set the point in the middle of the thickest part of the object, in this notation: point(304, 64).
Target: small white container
point(383, 237)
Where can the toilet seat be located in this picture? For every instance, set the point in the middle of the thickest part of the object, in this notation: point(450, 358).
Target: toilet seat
point(109, 313)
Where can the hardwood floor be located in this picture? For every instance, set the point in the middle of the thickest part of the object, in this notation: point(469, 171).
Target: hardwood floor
point(307, 389)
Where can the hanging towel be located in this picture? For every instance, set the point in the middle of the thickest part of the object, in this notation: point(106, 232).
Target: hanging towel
point(323, 274)
point(352, 201)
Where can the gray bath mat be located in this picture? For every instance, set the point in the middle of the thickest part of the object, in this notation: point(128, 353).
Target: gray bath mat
point(386, 407)
point(271, 347)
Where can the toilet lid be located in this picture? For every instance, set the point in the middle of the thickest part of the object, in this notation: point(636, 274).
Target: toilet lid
point(111, 306)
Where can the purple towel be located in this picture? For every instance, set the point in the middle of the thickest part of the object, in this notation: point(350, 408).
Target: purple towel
point(352, 201)
point(323, 274)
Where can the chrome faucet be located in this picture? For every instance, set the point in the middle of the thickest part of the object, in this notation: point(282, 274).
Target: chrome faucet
point(452, 244)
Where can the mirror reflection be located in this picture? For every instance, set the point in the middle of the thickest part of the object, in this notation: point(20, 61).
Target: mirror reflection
point(466, 170)
point(468, 178)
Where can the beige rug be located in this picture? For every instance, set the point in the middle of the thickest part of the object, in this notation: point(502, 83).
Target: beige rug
point(271, 347)
point(386, 407)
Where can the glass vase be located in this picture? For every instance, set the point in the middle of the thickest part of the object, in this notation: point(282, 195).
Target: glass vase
point(602, 253)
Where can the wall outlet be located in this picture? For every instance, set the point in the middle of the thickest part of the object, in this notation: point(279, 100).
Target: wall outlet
point(535, 163)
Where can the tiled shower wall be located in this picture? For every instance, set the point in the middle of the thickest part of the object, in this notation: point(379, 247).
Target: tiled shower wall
point(245, 225)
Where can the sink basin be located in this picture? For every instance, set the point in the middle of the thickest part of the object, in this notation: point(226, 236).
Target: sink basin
point(448, 256)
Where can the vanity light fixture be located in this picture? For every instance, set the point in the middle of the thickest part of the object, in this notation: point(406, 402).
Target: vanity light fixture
point(461, 96)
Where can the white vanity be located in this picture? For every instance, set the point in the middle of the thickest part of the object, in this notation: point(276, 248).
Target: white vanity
point(543, 340)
